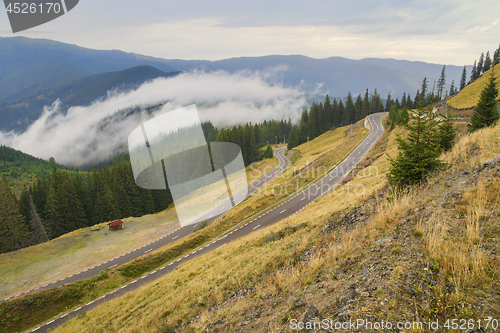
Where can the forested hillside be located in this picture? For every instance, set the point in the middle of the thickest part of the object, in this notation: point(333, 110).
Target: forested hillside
point(20, 169)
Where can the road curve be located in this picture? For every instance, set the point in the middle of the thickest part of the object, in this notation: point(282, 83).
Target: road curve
point(295, 204)
point(175, 235)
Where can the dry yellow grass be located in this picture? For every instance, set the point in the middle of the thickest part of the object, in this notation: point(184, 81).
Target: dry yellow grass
point(469, 96)
point(474, 148)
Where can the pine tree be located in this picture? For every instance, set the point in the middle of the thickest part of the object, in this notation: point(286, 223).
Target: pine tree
point(463, 79)
point(441, 83)
point(393, 114)
point(473, 73)
point(366, 104)
point(340, 114)
point(269, 152)
point(446, 134)
point(452, 88)
point(303, 126)
point(487, 62)
point(335, 115)
point(388, 102)
point(38, 228)
point(486, 111)
point(496, 57)
point(251, 146)
point(358, 109)
point(326, 115)
point(480, 65)
point(423, 90)
point(404, 116)
point(311, 122)
point(419, 151)
point(14, 233)
point(348, 116)
point(409, 103)
point(294, 140)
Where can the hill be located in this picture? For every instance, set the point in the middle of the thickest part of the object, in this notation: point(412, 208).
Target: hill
point(21, 108)
point(351, 255)
point(468, 97)
point(32, 64)
point(21, 169)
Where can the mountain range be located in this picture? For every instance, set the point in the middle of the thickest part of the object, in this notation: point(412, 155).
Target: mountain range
point(36, 72)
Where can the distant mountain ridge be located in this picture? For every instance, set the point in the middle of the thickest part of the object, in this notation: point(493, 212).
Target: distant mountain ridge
point(35, 72)
point(18, 110)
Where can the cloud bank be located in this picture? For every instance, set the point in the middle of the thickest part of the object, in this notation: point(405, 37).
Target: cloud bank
point(87, 135)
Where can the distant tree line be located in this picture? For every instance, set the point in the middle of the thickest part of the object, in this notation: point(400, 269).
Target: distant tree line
point(484, 64)
point(326, 116)
point(251, 137)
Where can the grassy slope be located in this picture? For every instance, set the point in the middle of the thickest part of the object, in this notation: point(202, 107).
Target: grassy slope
point(386, 255)
point(469, 96)
point(210, 285)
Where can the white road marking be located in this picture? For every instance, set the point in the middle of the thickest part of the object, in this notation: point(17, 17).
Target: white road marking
point(282, 211)
point(303, 198)
point(175, 237)
point(112, 266)
point(148, 250)
point(256, 227)
point(221, 246)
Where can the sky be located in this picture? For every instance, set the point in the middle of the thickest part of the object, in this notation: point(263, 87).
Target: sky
point(443, 32)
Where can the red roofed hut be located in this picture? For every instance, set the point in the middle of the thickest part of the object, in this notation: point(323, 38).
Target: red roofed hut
point(118, 224)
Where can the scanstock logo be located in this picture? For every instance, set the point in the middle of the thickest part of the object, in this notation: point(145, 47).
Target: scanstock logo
point(204, 179)
point(24, 15)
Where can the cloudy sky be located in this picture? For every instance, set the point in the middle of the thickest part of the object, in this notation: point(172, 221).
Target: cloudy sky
point(451, 32)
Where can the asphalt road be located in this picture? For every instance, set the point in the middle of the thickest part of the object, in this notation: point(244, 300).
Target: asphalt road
point(175, 235)
point(279, 212)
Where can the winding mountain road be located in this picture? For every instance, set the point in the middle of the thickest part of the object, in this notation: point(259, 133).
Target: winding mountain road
point(288, 207)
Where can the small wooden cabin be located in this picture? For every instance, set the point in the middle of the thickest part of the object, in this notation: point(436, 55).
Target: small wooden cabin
point(118, 224)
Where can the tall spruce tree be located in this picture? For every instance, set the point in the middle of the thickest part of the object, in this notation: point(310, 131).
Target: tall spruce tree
point(348, 116)
point(294, 139)
point(486, 111)
point(418, 152)
point(463, 79)
point(473, 73)
point(446, 133)
point(358, 108)
point(452, 88)
point(326, 115)
point(366, 104)
point(441, 83)
point(480, 65)
point(14, 233)
point(487, 62)
point(496, 56)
